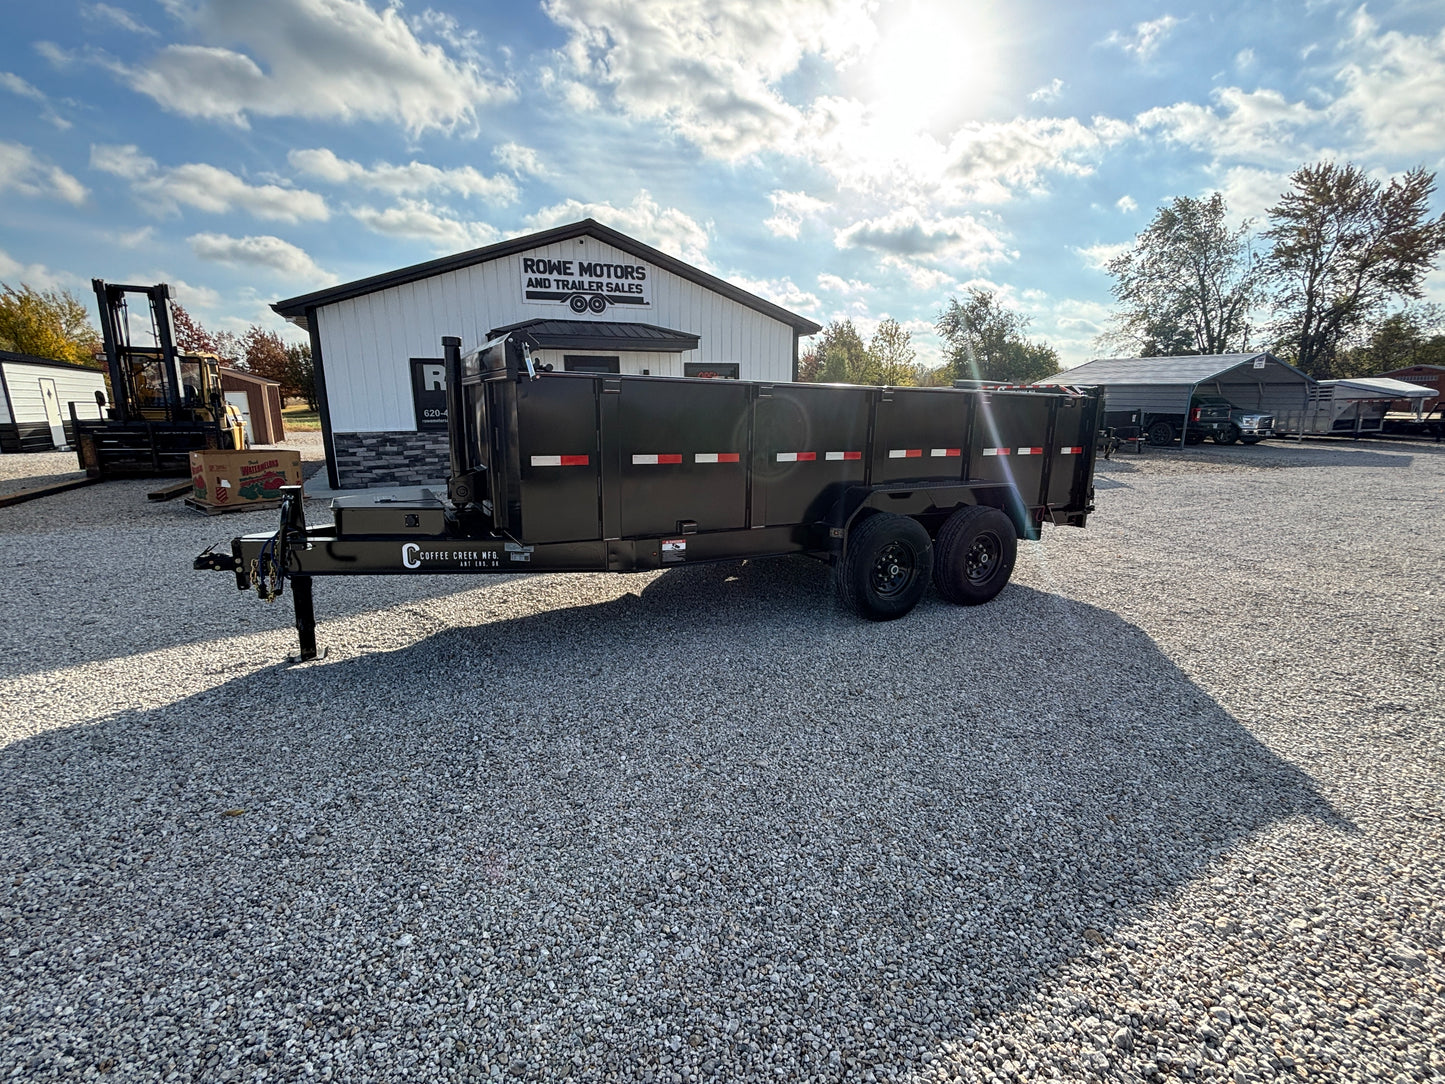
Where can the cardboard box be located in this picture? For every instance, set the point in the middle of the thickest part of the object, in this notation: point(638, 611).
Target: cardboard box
point(229, 479)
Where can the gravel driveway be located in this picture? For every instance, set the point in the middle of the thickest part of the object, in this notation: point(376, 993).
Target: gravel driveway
point(1169, 808)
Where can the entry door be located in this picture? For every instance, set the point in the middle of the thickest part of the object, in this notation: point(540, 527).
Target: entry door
point(52, 411)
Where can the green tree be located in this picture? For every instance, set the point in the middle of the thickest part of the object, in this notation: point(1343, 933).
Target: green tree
point(843, 359)
point(985, 341)
point(1411, 336)
point(300, 374)
point(47, 324)
point(810, 365)
point(265, 354)
point(1189, 284)
point(894, 358)
point(1344, 246)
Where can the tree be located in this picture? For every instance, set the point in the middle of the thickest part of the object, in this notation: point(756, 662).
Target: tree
point(1411, 336)
point(810, 365)
point(191, 337)
point(1344, 246)
point(985, 341)
point(843, 357)
point(891, 349)
point(1189, 284)
point(265, 354)
point(47, 324)
point(300, 374)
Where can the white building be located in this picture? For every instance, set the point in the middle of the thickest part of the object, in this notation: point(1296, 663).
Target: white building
point(590, 298)
point(35, 400)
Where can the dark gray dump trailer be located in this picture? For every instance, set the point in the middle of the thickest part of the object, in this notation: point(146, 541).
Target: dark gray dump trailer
point(554, 472)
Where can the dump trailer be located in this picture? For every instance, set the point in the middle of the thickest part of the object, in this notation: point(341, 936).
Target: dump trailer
point(165, 404)
point(552, 471)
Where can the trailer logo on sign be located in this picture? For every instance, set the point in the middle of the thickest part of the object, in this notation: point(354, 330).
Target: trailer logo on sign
point(584, 285)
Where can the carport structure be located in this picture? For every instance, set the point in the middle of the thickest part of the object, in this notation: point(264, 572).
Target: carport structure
point(1164, 386)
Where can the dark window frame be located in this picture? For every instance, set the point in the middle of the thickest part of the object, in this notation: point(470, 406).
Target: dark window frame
point(592, 363)
point(702, 369)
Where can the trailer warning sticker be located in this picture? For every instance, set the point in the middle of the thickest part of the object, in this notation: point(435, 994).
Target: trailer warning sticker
point(674, 550)
point(450, 557)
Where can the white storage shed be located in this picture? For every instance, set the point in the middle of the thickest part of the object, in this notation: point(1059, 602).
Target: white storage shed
point(590, 298)
point(35, 399)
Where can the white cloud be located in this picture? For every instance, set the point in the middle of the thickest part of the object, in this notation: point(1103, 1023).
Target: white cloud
point(270, 253)
point(320, 59)
point(15, 85)
point(1126, 204)
point(38, 275)
point(523, 161)
point(1096, 257)
point(1245, 60)
point(1249, 193)
point(204, 187)
point(908, 236)
point(848, 287)
point(789, 211)
point(25, 172)
point(1394, 89)
point(115, 17)
point(412, 178)
point(1049, 92)
point(1259, 126)
point(1144, 41)
point(987, 161)
point(666, 228)
point(420, 220)
point(709, 71)
point(783, 291)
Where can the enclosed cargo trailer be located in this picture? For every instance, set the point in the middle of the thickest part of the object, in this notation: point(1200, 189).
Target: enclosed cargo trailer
point(593, 472)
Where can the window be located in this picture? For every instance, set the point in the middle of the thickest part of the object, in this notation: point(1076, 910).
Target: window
point(711, 370)
point(589, 363)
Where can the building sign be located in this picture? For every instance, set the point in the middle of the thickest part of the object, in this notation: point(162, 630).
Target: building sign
point(585, 285)
point(429, 392)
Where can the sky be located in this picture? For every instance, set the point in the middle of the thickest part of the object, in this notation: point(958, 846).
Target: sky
point(842, 158)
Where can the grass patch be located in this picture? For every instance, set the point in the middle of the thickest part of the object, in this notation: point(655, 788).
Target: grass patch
point(300, 419)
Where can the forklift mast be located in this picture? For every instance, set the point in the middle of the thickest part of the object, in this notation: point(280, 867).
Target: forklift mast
point(122, 356)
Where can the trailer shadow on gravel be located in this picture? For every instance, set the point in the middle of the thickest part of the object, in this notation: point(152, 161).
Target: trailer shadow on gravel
point(713, 821)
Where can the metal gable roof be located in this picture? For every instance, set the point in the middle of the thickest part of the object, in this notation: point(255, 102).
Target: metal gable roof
point(1379, 387)
point(601, 335)
point(1188, 370)
point(295, 308)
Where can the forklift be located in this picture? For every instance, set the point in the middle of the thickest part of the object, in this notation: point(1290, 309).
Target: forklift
point(165, 404)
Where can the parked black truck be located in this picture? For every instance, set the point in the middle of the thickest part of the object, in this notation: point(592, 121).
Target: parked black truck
point(552, 471)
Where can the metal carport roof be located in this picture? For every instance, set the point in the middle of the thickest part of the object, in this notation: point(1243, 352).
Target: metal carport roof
point(1191, 369)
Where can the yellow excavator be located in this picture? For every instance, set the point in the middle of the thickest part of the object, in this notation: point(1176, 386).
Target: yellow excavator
point(164, 405)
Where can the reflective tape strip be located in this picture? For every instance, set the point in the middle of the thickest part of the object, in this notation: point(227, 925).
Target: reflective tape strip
point(560, 461)
point(715, 457)
point(842, 455)
point(1031, 451)
point(797, 457)
point(947, 453)
point(905, 453)
point(1076, 450)
point(995, 451)
point(654, 460)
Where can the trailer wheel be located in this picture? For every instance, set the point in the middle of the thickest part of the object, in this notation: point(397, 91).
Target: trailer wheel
point(1161, 433)
point(887, 567)
point(974, 555)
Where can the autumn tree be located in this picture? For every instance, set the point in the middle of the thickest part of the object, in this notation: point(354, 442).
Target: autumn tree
point(1344, 246)
point(1189, 284)
point(264, 353)
point(47, 324)
point(983, 340)
point(300, 374)
point(191, 337)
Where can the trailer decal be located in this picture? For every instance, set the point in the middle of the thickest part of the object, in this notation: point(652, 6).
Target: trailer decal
point(560, 460)
point(947, 453)
point(842, 455)
point(797, 457)
point(655, 460)
point(716, 457)
point(1076, 450)
point(1031, 451)
point(995, 451)
point(905, 453)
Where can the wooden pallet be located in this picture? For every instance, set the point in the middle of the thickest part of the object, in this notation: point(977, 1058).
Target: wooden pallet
point(23, 495)
point(219, 510)
point(170, 493)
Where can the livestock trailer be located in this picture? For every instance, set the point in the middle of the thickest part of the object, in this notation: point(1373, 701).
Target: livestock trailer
point(559, 471)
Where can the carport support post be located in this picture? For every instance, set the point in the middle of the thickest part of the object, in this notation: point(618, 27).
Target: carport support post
point(305, 618)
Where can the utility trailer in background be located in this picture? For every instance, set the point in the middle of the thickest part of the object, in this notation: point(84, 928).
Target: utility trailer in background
point(895, 487)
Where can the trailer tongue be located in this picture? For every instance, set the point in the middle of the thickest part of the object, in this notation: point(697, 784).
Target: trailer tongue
point(552, 472)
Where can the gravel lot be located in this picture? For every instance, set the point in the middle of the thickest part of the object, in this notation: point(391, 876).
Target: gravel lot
point(1168, 808)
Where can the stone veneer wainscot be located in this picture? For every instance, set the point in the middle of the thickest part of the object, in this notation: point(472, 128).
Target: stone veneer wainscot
point(390, 459)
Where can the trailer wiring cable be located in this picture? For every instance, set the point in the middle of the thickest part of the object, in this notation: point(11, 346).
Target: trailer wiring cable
point(269, 569)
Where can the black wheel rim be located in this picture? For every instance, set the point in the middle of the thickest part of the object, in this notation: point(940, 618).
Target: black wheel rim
point(893, 570)
point(983, 558)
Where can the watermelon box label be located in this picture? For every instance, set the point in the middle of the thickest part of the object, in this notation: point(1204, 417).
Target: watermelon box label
point(231, 478)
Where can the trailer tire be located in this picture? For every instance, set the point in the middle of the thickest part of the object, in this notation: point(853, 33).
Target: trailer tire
point(1161, 433)
point(974, 555)
point(886, 568)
